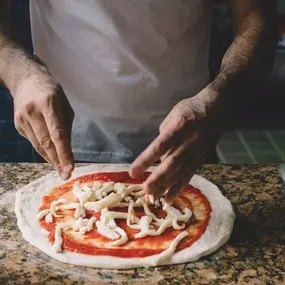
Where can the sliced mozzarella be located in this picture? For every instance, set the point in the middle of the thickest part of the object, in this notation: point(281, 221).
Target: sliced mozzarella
point(161, 257)
point(128, 198)
point(119, 187)
point(105, 189)
point(149, 213)
point(96, 186)
point(122, 190)
point(112, 200)
point(89, 226)
point(49, 218)
point(176, 215)
point(122, 240)
point(116, 215)
point(79, 223)
point(163, 226)
point(57, 245)
point(138, 194)
point(81, 195)
point(104, 230)
point(144, 225)
point(176, 226)
point(88, 191)
point(135, 187)
point(79, 211)
point(132, 217)
point(42, 213)
point(69, 206)
point(54, 207)
point(83, 225)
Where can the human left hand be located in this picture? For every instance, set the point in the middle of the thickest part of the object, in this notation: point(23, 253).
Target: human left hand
point(187, 136)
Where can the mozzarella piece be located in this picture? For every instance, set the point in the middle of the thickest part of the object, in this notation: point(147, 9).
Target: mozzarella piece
point(112, 200)
point(149, 213)
point(176, 226)
point(116, 215)
point(69, 206)
point(49, 213)
point(49, 218)
point(132, 217)
point(89, 226)
point(106, 226)
point(175, 214)
point(105, 189)
point(122, 240)
point(104, 230)
point(138, 194)
point(164, 225)
point(151, 199)
point(156, 203)
point(79, 211)
point(57, 245)
point(128, 198)
point(135, 187)
point(161, 257)
point(81, 195)
point(96, 185)
point(119, 187)
point(84, 225)
point(42, 213)
point(53, 207)
point(144, 225)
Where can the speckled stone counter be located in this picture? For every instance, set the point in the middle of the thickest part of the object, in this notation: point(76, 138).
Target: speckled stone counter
point(255, 253)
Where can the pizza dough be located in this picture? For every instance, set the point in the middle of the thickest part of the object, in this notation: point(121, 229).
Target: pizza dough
point(28, 200)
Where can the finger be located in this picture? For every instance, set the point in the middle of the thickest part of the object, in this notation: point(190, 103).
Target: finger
point(172, 170)
point(165, 175)
point(60, 134)
point(184, 176)
point(176, 188)
point(30, 135)
point(153, 153)
point(42, 135)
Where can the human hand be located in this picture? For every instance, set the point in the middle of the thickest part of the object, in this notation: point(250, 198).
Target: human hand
point(44, 116)
point(187, 136)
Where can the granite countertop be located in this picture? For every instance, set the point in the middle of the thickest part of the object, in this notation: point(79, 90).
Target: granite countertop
point(255, 253)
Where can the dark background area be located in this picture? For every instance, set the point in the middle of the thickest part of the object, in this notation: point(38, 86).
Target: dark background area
point(266, 110)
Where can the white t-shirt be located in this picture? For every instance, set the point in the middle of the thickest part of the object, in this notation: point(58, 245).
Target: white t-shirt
point(123, 65)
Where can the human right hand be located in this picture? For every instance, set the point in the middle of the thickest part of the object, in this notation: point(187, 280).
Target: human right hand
point(44, 116)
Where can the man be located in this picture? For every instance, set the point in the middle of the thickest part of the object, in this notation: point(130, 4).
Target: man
point(136, 75)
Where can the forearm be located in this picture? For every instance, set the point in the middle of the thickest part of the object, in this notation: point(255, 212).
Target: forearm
point(15, 62)
point(248, 60)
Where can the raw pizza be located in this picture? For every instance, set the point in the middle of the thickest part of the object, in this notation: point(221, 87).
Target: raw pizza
point(100, 218)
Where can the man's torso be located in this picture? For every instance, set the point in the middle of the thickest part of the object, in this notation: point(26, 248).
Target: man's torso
point(123, 65)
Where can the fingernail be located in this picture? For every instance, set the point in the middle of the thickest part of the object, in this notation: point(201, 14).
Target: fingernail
point(67, 168)
point(64, 175)
point(136, 172)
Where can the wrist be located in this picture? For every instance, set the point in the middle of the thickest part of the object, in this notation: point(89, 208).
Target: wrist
point(16, 65)
point(221, 104)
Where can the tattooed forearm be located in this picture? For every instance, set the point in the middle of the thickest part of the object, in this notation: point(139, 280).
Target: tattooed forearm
point(248, 60)
point(15, 62)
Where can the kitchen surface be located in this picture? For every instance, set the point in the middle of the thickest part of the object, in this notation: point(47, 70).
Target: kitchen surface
point(254, 255)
